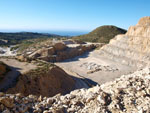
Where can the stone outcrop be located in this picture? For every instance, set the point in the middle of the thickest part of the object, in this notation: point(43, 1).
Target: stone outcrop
point(133, 47)
point(42, 52)
point(59, 46)
point(128, 94)
point(58, 52)
point(144, 21)
point(22, 58)
point(45, 81)
point(73, 52)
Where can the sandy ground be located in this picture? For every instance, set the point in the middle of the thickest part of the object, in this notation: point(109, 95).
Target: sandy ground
point(16, 68)
point(100, 77)
point(80, 83)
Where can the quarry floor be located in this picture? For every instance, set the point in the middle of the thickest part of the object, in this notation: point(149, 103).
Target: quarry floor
point(18, 67)
point(76, 65)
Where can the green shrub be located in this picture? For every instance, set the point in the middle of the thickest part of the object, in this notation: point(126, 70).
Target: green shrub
point(101, 34)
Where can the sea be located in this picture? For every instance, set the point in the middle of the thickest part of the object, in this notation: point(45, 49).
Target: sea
point(61, 33)
point(68, 33)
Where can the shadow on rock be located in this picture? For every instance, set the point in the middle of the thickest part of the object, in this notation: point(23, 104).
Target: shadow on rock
point(10, 78)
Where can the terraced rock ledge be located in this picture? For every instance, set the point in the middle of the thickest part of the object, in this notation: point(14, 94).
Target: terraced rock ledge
point(132, 48)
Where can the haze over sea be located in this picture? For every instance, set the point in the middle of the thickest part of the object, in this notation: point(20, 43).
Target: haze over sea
point(57, 32)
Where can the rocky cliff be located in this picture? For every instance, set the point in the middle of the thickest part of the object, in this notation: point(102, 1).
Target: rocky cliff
point(48, 80)
point(133, 47)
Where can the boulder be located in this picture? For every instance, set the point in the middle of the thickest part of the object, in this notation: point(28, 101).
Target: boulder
point(59, 46)
point(8, 102)
point(22, 58)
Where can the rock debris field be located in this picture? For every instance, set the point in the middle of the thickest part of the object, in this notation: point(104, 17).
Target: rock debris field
point(127, 94)
point(93, 67)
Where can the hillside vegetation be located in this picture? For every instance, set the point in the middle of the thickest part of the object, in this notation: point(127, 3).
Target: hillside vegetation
point(7, 39)
point(101, 34)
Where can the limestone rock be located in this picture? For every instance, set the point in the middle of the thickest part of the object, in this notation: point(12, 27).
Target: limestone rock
point(56, 52)
point(8, 102)
point(42, 52)
point(59, 46)
point(132, 48)
point(145, 21)
point(22, 58)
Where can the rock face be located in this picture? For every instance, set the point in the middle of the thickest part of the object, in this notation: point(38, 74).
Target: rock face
point(128, 94)
point(59, 46)
point(42, 52)
point(144, 21)
point(45, 81)
point(133, 47)
point(58, 52)
point(142, 29)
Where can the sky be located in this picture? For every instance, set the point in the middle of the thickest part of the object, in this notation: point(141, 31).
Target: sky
point(70, 15)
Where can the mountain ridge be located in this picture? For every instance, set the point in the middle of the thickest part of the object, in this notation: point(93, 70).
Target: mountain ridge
point(7, 39)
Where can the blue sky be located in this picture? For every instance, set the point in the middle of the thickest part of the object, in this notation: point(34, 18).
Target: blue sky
point(70, 15)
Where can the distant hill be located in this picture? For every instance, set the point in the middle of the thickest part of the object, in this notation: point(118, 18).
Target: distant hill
point(101, 34)
point(15, 38)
